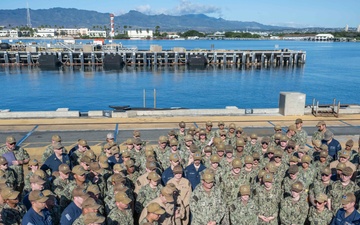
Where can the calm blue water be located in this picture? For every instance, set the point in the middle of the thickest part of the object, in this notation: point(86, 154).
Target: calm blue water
point(332, 71)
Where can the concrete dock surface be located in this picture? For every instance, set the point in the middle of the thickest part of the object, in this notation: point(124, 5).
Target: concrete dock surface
point(94, 130)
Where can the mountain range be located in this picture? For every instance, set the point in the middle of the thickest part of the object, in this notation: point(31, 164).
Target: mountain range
point(70, 17)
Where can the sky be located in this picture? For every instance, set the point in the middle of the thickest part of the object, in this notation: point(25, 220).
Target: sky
point(291, 13)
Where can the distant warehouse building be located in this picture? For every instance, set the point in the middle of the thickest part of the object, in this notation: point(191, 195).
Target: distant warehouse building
point(9, 33)
point(324, 37)
point(140, 34)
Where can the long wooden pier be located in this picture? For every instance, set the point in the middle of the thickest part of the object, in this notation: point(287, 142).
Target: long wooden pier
point(274, 58)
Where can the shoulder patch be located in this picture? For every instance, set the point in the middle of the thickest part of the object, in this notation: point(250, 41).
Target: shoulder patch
point(68, 217)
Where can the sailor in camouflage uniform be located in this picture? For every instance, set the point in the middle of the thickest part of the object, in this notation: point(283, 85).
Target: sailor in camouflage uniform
point(243, 210)
point(319, 134)
point(267, 197)
point(301, 134)
point(322, 185)
point(162, 152)
point(9, 173)
point(88, 206)
point(13, 211)
point(121, 215)
point(294, 209)
point(206, 202)
point(148, 192)
point(154, 212)
point(21, 157)
point(50, 149)
point(320, 214)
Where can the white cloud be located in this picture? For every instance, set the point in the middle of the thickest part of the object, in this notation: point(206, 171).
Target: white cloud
point(146, 9)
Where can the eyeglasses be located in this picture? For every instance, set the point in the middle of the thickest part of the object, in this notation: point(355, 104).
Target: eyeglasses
point(324, 175)
point(319, 203)
point(290, 147)
point(223, 135)
point(264, 143)
point(12, 143)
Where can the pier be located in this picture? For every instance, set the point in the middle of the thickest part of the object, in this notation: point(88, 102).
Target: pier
point(118, 56)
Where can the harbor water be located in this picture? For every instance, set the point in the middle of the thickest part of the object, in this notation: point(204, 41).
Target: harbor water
point(332, 70)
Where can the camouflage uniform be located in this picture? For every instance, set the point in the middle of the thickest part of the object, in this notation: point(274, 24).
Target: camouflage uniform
point(120, 217)
point(205, 206)
point(243, 214)
point(48, 152)
point(58, 186)
point(145, 221)
point(55, 213)
point(319, 187)
point(27, 186)
point(338, 190)
point(145, 195)
point(67, 196)
point(12, 216)
point(307, 176)
point(139, 158)
point(318, 135)
point(230, 188)
point(268, 203)
point(131, 178)
point(10, 178)
point(20, 154)
point(286, 185)
point(316, 217)
point(249, 149)
point(75, 157)
point(301, 137)
point(162, 156)
point(293, 212)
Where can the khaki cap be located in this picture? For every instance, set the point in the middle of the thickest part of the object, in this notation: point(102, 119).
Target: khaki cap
point(222, 132)
point(316, 143)
point(347, 171)
point(291, 143)
point(297, 187)
point(293, 169)
point(216, 140)
point(36, 179)
point(236, 163)
point(155, 208)
point(188, 138)
point(153, 176)
point(321, 197)
point(93, 217)
point(64, 168)
point(115, 150)
point(239, 129)
point(303, 149)
point(244, 190)
point(174, 142)
point(122, 197)
point(129, 163)
point(253, 136)
point(229, 149)
point(221, 123)
point(48, 193)
point(120, 187)
point(149, 152)
point(268, 177)
point(192, 128)
point(163, 139)
point(95, 166)
point(220, 147)
point(271, 150)
point(57, 145)
point(197, 156)
point(209, 123)
point(182, 124)
point(261, 173)
point(3, 161)
point(136, 133)
point(278, 136)
point(168, 194)
point(103, 161)
point(324, 154)
point(298, 120)
point(202, 132)
point(265, 139)
point(78, 170)
point(347, 198)
point(306, 159)
point(324, 147)
point(178, 169)
point(214, 159)
point(320, 123)
point(270, 166)
point(326, 171)
point(126, 154)
point(208, 177)
point(79, 192)
point(129, 141)
point(41, 174)
point(278, 153)
point(85, 159)
point(10, 140)
point(240, 143)
point(151, 165)
point(350, 143)
point(83, 143)
point(56, 138)
point(277, 127)
point(118, 167)
point(172, 133)
point(174, 157)
point(93, 188)
point(345, 154)
point(9, 193)
point(232, 126)
point(90, 153)
point(340, 166)
point(294, 159)
point(33, 162)
point(138, 141)
point(249, 159)
point(208, 148)
point(90, 203)
point(284, 138)
point(194, 148)
point(37, 196)
point(256, 155)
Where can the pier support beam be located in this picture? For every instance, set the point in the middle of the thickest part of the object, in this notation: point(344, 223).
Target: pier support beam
point(28, 56)
point(215, 58)
point(71, 58)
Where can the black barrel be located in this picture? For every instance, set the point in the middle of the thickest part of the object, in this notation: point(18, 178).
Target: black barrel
point(113, 61)
point(196, 60)
point(49, 61)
